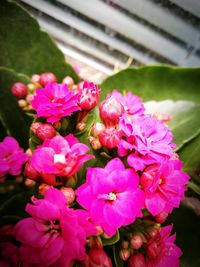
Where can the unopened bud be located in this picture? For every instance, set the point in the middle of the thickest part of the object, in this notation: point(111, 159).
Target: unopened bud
point(29, 98)
point(109, 138)
point(43, 188)
point(45, 131)
point(35, 78)
point(153, 250)
point(110, 111)
point(125, 244)
point(69, 193)
point(22, 103)
point(19, 90)
point(98, 258)
point(136, 241)
point(35, 126)
point(31, 87)
point(136, 260)
point(124, 254)
point(94, 142)
point(89, 96)
point(68, 81)
point(148, 176)
point(30, 172)
point(57, 125)
point(19, 179)
point(161, 217)
point(81, 126)
point(29, 183)
point(97, 128)
point(46, 78)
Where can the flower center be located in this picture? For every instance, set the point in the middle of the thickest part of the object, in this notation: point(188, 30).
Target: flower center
point(54, 226)
point(112, 196)
point(59, 158)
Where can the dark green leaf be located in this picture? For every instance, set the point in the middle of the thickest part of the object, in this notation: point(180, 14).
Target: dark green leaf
point(194, 187)
point(187, 228)
point(9, 220)
point(27, 49)
point(110, 241)
point(11, 116)
point(116, 252)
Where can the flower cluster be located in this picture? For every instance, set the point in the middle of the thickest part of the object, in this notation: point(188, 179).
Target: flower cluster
point(112, 179)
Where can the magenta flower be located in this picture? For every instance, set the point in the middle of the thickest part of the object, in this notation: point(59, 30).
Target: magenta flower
point(161, 250)
point(53, 236)
point(59, 156)
point(54, 102)
point(164, 186)
point(145, 138)
point(112, 196)
point(12, 157)
point(132, 104)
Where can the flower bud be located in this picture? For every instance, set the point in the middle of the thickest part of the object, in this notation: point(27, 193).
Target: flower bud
point(109, 138)
point(69, 194)
point(35, 126)
point(98, 258)
point(110, 111)
point(29, 98)
point(19, 90)
point(136, 241)
point(35, 78)
point(154, 232)
point(124, 254)
point(94, 142)
point(125, 244)
point(30, 172)
point(43, 188)
point(46, 78)
point(136, 260)
point(148, 176)
point(22, 103)
point(161, 217)
point(97, 128)
point(29, 183)
point(68, 81)
point(45, 131)
point(81, 126)
point(89, 96)
point(153, 250)
point(57, 125)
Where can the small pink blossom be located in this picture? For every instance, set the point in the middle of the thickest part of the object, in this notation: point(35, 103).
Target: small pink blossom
point(164, 186)
point(146, 140)
point(53, 235)
point(55, 101)
point(112, 196)
point(132, 104)
point(161, 250)
point(12, 157)
point(59, 156)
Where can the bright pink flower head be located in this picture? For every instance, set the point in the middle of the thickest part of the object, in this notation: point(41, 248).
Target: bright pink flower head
point(89, 96)
point(132, 104)
point(112, 196)
point(12, 157)
point(146, 136)
point(161, 250)
point(59, 156)
point(53, 234)
point(54, 102)
point(110, 111)
point(164, 186)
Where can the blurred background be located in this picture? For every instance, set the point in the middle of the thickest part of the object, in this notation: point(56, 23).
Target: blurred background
point(99, 37)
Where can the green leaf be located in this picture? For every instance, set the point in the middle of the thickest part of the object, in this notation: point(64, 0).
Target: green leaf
point(27, 49)
point(156, 83)
point(110, 241)
point(194, 187)
point(11, 116)
point(187, 228)
point(116, 252)
point(184, 123)
point(189, 154)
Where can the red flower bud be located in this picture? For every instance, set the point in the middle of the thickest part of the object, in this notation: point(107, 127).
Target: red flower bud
point(109, 138)
point(19, 90)
point(30, 172)
point(35, 126)
point(161, 217)
point(69, 193)
point(46, 78)
point(97, 128)
point(43, 188)
point(68, 81)
point(98, 258)
point(94, 142)
point(136, 260)
point(148, 176)
point(89, 96)
point(110, 111)
point(45, 131)
point(153, 250)
point(136, 241)
point(124, 254)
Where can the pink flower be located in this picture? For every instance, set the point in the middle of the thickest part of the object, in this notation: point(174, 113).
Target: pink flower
point(59, 156)
point(164, 186)
point(161, 250)
point(145, 138)
point(12, 157)
point(112, 196)
point(132, 104)
point(54, 102)
point(89, 96)
point(53, 236)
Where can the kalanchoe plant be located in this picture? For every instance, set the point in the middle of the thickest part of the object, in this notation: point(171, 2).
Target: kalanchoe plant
point(133, 180)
